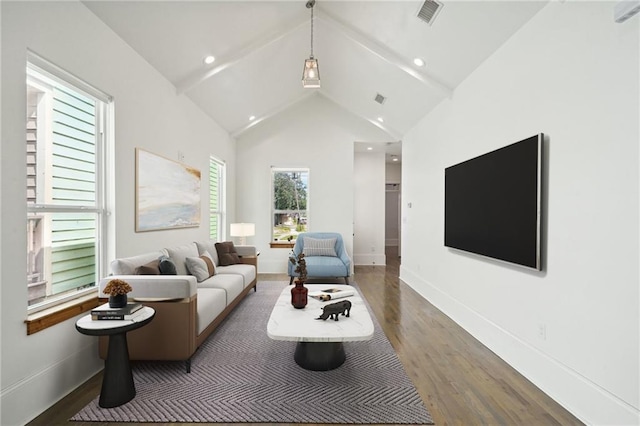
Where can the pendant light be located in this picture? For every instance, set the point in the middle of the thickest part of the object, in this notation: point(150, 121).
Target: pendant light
point(311, 72)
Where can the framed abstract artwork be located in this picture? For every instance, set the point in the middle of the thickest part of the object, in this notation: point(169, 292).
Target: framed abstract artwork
point(167, 193)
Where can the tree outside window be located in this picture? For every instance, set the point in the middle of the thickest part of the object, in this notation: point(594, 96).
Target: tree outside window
point(290, 203)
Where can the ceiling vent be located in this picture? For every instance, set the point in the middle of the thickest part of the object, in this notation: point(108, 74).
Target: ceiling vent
point(379, 98)
point(429, 11)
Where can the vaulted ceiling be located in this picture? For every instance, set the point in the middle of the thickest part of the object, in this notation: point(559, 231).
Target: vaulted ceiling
point(364, 48)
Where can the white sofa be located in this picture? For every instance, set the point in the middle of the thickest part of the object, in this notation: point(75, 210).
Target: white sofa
point(187, 311)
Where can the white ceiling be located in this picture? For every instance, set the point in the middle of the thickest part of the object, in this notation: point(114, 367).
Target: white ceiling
point(363, 48)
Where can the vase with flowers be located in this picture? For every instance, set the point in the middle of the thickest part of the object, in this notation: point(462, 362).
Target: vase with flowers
point(299, 293)
point(117, 291)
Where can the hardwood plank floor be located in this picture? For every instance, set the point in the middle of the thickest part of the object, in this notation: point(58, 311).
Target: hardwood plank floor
point(460, 381)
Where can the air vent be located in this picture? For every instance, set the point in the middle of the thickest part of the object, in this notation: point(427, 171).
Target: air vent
point(379, 98)
point(429, 11)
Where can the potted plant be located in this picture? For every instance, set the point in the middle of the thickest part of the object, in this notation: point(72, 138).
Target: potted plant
point(117, 291)
point(299, 292)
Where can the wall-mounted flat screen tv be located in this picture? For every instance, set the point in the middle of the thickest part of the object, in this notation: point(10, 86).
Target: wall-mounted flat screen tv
point(492, 204)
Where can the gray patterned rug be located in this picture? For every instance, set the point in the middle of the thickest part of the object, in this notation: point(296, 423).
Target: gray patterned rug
point(239, 375)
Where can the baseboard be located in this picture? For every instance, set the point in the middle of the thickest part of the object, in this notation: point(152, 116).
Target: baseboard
point(580, 396)
point(33, 395)
point(369, 259)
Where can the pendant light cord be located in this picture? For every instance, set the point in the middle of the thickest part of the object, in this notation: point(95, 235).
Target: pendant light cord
point(312, 31)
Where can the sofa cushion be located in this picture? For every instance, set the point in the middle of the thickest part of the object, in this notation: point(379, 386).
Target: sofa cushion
point(166, 266)
point(209, 247)
point(319, 247)
point(231, 283)
point(248, 272)
point(179, 254)
point(211, 303)
point(227, 253)
point(151, 268)
point(201, 267)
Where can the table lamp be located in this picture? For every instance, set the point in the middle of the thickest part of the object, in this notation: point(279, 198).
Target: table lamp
point(242, 230)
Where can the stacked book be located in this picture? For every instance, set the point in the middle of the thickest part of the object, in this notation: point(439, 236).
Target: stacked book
point(106, 312)
point(332, 293)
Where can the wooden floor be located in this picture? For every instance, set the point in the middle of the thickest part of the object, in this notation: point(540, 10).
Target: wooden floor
point(460, 381)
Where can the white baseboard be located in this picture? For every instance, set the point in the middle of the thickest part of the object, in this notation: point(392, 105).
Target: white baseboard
point(586, 400)
point(369, 259)
point(30, 397)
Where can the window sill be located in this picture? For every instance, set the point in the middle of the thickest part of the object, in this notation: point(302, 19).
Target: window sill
point(279, 244)
point(59, 313)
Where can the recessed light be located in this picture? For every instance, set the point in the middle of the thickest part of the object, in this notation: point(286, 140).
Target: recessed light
point(209, 59)
point(419, 62)
point(252, 117)
point(369, 148)
point(395, 159)
point(380, 119)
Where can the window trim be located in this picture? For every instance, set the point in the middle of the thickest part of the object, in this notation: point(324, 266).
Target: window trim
point(42, 315)
point(281, 244)
point(222, 196)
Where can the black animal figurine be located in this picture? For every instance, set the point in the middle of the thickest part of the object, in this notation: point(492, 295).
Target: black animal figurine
point(333, 310)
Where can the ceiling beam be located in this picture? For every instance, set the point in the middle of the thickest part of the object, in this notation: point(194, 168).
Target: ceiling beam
point(383, 52)
point(200, 76)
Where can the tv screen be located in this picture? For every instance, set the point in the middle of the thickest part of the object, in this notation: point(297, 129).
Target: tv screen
point(492, 204)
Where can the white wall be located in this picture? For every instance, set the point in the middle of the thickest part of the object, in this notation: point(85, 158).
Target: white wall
point(572, 329)
point(40, 369)
point(316, 134)
point(369, 210)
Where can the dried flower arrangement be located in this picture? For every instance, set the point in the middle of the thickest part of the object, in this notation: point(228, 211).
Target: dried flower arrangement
point(115, 287)
point(301, 265)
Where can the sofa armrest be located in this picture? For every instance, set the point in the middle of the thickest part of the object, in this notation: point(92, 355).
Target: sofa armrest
point(247, 251)
point(156, 286)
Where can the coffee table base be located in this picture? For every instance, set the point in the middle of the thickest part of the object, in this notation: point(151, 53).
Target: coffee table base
point(319, 356)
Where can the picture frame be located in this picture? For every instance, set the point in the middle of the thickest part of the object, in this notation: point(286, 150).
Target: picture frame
point(167, 193)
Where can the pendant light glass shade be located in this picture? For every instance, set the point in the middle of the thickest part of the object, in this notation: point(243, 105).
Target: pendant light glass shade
point(311, 72)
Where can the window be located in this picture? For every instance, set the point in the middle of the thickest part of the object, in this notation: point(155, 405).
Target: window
point(290, 203)
point(216, 199)
point(65, 172)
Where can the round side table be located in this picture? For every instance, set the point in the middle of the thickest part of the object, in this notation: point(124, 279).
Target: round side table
point(117, 380)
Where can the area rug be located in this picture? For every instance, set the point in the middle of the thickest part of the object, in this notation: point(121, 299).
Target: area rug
point(239, 375)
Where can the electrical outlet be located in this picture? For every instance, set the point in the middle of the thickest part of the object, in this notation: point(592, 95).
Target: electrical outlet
point(542, 331)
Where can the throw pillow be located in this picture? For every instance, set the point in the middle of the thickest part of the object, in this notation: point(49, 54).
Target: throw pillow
point(166, 266)
point(201, 267)
point(319, 246)
point(151, 268)
point(227, 254)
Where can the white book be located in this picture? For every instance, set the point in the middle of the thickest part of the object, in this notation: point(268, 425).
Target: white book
point(331, 293)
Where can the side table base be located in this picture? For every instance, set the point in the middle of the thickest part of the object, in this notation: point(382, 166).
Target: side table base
point(117, 381)
point(320, 356)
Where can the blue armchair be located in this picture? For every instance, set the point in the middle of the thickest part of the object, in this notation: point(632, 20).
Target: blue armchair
point(325, 255)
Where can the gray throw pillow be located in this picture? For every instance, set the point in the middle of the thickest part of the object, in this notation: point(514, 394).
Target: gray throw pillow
point(201, 267)
point(319, 246)
point(166, 266)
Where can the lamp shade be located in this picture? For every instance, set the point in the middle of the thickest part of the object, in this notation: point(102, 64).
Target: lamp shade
point(242, 230)
point(311, 74)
